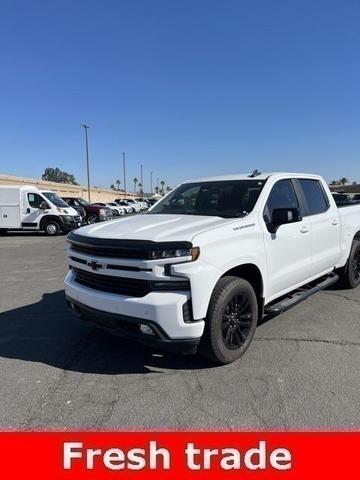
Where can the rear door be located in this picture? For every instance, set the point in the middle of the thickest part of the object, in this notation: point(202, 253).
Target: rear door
point(325, 225)
point(288, 251)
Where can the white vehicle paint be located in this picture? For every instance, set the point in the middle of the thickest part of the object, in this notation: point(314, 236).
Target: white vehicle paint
point(28, 208)
point(211, 257)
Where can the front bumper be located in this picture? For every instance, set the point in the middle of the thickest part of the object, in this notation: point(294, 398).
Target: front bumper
point(129, 327)
point(166, 312)
point(70, 223)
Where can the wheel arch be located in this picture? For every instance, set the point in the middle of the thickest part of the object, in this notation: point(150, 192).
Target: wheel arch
point(47, 218)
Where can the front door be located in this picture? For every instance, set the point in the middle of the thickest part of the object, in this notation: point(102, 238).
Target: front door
point(32, 212)
point(288, 251)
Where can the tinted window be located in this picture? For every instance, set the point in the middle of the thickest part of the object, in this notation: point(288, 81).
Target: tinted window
point(231, 198)
point(282, 196)
point(315, 197)
point(35, 200)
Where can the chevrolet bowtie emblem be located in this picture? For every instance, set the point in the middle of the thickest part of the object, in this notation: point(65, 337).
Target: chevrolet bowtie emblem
point(95, 265)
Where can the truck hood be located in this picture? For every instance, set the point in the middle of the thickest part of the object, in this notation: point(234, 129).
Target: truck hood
point(153, 227)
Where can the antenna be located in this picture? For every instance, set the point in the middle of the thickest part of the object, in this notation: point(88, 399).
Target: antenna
point(255, 173)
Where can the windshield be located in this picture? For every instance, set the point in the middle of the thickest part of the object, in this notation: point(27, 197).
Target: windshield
point(229, 198)
point(82, 201)
point(55, 199)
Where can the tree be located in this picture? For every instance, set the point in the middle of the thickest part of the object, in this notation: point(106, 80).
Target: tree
point(58, 176)
point(135, 181)
point(162, 183)
point(112, 186)
point(343, 181)
point(333, 182)
point(354, 183)
point(156, 190)
point(140, 187)
point(168, 189)
point(118, 184)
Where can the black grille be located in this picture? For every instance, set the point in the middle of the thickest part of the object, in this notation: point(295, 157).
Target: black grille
point(132, 287)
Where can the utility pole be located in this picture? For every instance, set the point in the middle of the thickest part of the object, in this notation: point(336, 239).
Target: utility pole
point(142, 179)
point(151, 189)
point(124, 168)
point(86, 127)
point(157, 182)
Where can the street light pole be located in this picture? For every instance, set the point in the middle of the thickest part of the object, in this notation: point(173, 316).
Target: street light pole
point(124, 168)
point(151, 189)
point(142, 179)
point(86, 127)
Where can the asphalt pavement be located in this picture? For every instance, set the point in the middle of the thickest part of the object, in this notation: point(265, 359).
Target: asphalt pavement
point(302, 370)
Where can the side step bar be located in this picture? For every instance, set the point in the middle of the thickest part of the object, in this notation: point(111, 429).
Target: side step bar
point(299, 295)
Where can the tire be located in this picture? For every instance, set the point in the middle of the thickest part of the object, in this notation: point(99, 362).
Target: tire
point(227, 336)
point(3, 231)
point(350, 274)
point(92, 218)
point(52, 228)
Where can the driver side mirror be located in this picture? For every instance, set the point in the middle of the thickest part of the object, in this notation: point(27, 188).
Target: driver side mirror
point(43, 206)
point(283, 216)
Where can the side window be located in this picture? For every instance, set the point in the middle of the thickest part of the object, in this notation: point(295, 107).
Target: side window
point(281, 196)
point(315, 197)
point(35, 200)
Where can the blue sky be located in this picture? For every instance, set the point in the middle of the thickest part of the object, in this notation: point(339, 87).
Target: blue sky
point(187, 88)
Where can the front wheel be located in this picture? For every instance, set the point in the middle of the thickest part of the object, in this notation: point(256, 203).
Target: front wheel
point(92, 219)
point(52, 228)
point(231, 320)
point(350, 274)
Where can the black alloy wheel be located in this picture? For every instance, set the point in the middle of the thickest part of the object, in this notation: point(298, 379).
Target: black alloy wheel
point(236, 322)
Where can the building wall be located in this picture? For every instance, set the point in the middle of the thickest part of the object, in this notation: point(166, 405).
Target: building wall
point(65, 190)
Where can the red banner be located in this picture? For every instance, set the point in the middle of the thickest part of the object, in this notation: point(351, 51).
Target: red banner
point(185, 455)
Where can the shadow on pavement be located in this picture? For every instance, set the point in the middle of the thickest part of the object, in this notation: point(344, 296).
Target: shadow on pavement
point(46, 332)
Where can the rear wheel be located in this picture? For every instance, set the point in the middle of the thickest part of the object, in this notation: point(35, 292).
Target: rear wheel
point(231, 321)
point(3, 231)
point(350, 274)
point(92, 218)
point(52, 228)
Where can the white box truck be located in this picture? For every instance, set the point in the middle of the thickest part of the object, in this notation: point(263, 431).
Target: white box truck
point(28, 208)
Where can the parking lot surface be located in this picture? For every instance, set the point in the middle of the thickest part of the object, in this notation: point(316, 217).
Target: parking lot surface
point(302, 370)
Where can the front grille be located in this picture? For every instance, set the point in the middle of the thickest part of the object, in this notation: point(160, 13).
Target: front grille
point(132, 287)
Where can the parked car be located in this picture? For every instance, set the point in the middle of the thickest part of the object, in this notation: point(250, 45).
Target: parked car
point(119, 208)
point(208, 261)
point(125, 205)
point(94, 213)
point(356, 198)
point(342, 199)
point(28, 208)
point(136, 206)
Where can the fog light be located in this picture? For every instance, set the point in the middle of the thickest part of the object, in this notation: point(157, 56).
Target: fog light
point(146, 329)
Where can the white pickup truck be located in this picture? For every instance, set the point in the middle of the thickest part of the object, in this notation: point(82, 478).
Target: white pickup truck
point(203, 265)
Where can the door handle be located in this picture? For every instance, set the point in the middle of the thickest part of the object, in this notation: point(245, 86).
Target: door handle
point(305, 229)
point(335, 222)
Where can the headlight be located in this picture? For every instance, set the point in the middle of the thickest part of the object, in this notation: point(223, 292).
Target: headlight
point(62, 210)
point(68, 218)
point(193, 252)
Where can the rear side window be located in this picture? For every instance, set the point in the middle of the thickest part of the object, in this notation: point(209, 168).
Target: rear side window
point(315, 196)
point(281, 196)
